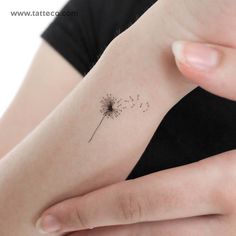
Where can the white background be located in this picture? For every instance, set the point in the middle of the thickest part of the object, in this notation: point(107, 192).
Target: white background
point(19, 40)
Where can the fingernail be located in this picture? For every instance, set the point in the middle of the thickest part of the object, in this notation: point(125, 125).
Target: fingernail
point(197, 55)
point(48, 224)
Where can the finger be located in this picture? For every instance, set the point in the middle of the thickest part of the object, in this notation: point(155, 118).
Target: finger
point(212, 67)
point(204, 226)
point(185, 191)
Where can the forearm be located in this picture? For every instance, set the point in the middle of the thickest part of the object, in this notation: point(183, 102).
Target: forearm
point(58, 159)
point(29, 107)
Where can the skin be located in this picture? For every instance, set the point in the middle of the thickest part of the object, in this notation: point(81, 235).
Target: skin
point(43, 88)
point(42, 151)
point(178, 201)
point(31, 174)
point(196, 199)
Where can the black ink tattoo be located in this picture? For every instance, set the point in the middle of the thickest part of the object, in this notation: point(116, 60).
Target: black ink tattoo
point(112, 107)
point(147, 107)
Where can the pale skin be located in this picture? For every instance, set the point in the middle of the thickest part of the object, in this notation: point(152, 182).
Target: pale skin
point(60, 143)
point(69, 126)
point(49, 79)
point(197, 199)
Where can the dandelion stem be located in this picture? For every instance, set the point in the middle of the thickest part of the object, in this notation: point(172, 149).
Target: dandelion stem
point(97, 128)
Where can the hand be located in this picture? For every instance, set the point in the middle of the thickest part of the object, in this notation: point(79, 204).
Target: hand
point(207, 20)
point(196, 199)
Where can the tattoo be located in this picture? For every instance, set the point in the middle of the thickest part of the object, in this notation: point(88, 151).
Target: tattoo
point(112, 107)
point(131, 98)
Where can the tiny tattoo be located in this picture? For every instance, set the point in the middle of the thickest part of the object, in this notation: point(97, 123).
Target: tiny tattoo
point(112, 107)
point(147, 107)
point(133, 105)
point(131, 99)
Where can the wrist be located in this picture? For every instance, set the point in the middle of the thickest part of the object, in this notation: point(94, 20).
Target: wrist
point(151, 61)
point(129, 65)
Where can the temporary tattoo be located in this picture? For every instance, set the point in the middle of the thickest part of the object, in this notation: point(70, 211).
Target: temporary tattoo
point(133, 105)
point(112, 107)
point(147, 107)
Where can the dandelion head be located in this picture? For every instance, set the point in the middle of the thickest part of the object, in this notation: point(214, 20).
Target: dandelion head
point(110, 106)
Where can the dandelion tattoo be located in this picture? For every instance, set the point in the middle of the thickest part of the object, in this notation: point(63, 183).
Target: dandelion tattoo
point(112, 107)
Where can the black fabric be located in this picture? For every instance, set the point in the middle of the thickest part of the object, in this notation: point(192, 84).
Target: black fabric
point(199, 126)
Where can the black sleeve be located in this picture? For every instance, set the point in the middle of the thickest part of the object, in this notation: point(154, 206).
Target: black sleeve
point(89, 26)
point(69, 35)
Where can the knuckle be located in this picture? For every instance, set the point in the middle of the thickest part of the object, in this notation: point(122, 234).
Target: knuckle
point(135, 230)
point(81, 220)
point(130, 208)
point(223, 174)
point(225, 199)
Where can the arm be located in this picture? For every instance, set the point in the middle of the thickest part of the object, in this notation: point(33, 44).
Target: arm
point(175, 201)
point(57, 161)
point(42, 90)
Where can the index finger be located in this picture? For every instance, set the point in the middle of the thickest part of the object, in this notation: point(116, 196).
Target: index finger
point(181, 192)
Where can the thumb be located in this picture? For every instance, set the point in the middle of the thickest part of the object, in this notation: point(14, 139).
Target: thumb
point(211, 67)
